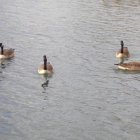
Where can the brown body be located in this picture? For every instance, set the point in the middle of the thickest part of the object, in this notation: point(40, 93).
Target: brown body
point(125, 53)
point(130, 66)
point(49, 68)
point(7, 53)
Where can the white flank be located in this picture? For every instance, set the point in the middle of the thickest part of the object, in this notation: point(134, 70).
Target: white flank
point(3, 56)
point(120, 55)
point(43, 71)
point(123, 68)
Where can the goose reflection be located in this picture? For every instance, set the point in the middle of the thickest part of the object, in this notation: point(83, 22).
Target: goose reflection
point(121, 60)
point(120, 71)
point(3, 66)
point(111, 3)
point(46, 83)
point(5, 62)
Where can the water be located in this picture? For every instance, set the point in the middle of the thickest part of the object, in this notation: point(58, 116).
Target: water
point(87, 97)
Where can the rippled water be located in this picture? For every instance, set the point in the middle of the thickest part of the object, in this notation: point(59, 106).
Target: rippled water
point(87, 97)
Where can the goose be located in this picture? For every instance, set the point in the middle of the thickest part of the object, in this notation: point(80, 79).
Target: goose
point(123, 52)
point(6, 53)
point(129, 66)
point(46, 67)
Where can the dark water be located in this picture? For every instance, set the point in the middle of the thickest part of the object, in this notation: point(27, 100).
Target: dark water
point(87, 97)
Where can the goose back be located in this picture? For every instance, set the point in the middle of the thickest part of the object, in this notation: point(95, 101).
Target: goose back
point(49, 69)
point(7, 53)
point(125, 53)
point(130, 66)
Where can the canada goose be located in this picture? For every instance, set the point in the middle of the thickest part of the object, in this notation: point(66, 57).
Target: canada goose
point(123, 52)
point(6, 53)
point(44, 69)
point(129, 66)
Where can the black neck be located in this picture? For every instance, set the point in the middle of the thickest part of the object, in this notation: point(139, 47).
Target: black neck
point(45, 64)
point(1, 49)
point(121, 46)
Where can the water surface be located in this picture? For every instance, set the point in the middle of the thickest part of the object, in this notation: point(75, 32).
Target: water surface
point(87, 97)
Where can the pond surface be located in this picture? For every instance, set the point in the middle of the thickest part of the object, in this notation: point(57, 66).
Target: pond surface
point(87, 97)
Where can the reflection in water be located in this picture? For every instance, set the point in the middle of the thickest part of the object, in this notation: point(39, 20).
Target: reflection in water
point(46, 76)
point(120, 71)
point(110, 3)
point(121, 60)
point(3, 64)
point(1, 60)
point(45, 84)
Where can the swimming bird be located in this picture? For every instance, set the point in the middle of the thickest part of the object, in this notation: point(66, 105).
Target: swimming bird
point(129, 66)
point(6, 53)
point(46, 67)
point(123, 52)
